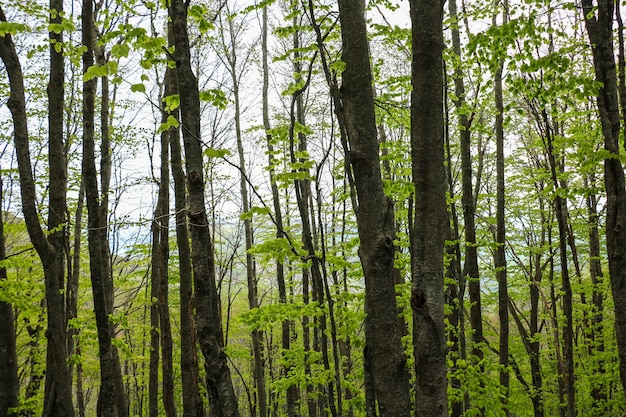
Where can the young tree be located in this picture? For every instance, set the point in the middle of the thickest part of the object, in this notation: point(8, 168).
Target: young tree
point(111, 398)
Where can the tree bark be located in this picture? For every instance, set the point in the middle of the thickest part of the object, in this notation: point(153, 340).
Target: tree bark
point(192, 401)
point(499, 254)
point(599, 28)
point(107, 398)
point(222, 399)
point(427, 241)
point(9, 382)
point(50, 247)
point(383, 329)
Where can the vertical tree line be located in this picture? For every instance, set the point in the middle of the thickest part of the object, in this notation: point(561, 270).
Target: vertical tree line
point(320, 208)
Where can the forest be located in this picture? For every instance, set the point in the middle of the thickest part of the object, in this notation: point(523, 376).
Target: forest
point(312, 208)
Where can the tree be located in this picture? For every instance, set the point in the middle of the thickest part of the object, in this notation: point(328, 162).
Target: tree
point(599, 22)
point(9, 383)
point(222, 397)
point(428, 231)
point(383, 329)
point(49, 246)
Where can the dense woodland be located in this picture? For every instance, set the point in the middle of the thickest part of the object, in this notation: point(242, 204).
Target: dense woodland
point(312, 208)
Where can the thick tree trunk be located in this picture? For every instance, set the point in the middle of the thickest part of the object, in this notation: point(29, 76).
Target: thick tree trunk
point(50, 248)
point(599, 27)
point(427, 242)
point(383, 329)
point(223, 401)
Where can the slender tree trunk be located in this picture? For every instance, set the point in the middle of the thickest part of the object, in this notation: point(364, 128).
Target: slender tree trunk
point(33, 362)
point(560, 208)
point(161, 332)
point(192, 401)
point(163, 224)
point(9, 382)
point(598, 386)
point(107, 398)
point(455, 293)
point(292, 389)
point(153, 364)
point(599, 28)
point(499, 255)
point(555, 332)
point(80, 394)
point(534, 355)
point(383, 330)
point(223, 401)
point(105, 181)
point(74, 274)
point(230, 48)
point(536, 275)
point(427, 241)
point(471, 271)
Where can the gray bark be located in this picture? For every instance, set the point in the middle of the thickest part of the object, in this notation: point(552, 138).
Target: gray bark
point(376, 225)
point(222, 399)
point(427, 242)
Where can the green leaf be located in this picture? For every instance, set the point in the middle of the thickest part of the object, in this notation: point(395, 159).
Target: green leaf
point(171, 120)
point(120, 50)
point(169, 123)
point(95, 71)
point(216, 153)
point(55, 28)
point(138, 88)
point(171, 102)
point(11, 28)
point(216, 97)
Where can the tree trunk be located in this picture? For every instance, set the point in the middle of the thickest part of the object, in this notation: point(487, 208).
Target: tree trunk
point(383, 329)
point(427, 241)
point(599, 28)
point(105, 181)
point(455, 294)
point(9, 383)
point(598, 385)
point(292, 389)
point(50, 247)
point(560, 209)
point(163, 224)
point(192, 401)
point(230, 50)
point(223, 401)
point(499, 255)
point(107, 398)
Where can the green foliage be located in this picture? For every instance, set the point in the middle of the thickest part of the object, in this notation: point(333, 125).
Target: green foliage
point(11, 28)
